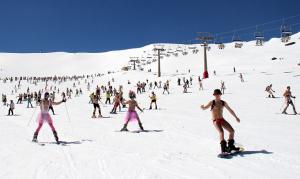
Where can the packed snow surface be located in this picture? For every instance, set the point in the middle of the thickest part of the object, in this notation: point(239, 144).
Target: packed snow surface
point(182, 142)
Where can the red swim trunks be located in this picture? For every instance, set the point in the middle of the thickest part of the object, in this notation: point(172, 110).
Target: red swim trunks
point(219, 121)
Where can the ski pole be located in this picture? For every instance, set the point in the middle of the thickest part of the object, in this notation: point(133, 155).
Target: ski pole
point(68, 115)
point(31, 117)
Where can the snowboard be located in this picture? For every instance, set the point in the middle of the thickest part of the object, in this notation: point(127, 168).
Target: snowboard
point(230, 155)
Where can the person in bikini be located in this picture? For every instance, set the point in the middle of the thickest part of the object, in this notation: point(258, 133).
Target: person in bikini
point(217, 105)
point(131, 113)
point(45, 116)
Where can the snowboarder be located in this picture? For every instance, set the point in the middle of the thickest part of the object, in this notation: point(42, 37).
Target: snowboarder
point(220, 123)
point(153, 100)
point(131, 113)
point(288, 101)
point(45, 116)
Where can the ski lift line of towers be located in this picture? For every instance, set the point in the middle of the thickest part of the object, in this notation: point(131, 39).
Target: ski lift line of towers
point(204, 38)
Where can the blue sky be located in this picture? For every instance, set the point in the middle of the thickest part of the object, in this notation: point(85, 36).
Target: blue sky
point(103, 25)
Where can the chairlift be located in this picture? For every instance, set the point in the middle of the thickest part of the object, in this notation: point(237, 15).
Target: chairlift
point(237, 40)
point(219, 43)
point(259, 37)
point(286, 32)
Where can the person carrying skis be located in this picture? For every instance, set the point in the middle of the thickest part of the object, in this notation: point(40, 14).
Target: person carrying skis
point(131, 113)
point(153, 100)
point(288, 101)
point(11, 108)
point(270, 91)
point(220, 123)
point(44, 116)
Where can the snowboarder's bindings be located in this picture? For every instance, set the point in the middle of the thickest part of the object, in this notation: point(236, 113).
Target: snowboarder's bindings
point(231, 146)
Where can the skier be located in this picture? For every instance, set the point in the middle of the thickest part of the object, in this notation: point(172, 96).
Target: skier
point(220, 123)
point(166, 89)
point(153, 100)
point(131, 113)
point(29, 99)
point(117, 102)
point(200, 83)
point(223, 87)
point(288, 101)
point(51, 106)
point(107, 94)
point(270, 91)
point(96, 105)
point(241, 77)
point(11, 108)
point(45, 116)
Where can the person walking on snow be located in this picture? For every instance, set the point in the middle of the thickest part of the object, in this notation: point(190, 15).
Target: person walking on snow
point(45, 116)
point(220, 123)
point(153, 100)
point(131, 113)
point(288, 101)
point(270, 91)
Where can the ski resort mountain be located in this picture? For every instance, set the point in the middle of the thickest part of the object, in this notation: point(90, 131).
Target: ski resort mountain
point(181, 141)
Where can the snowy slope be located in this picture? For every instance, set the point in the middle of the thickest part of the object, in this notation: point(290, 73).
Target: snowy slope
point(187, 145)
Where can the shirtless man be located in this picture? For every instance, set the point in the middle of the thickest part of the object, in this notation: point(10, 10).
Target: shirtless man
point(220, 123)
point(131, 113)
point(45, 116)
point(96, 105)
point(288, 95)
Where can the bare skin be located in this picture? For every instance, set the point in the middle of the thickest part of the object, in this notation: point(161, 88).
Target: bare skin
point(46, 103)
point(132, 104)
point(217, 113)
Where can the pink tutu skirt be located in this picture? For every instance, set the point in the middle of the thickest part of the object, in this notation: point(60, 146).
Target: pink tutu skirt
point(42, 117)
point(131, 116)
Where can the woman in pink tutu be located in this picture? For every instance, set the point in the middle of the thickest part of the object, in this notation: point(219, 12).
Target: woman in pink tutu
point(44, 116)
point(131, 114)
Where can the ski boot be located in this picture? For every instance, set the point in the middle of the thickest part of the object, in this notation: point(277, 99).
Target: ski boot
point(100, 116)
point(56, 137)
point(224, 148)
point(35, 135)
point(94, 115)
point(284, 112)
point(232, 147)
point(124, 129)
point(141, 126)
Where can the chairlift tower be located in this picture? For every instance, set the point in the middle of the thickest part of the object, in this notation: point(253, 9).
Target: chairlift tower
point(205, 38)
point(134, 60)
point(159, 49)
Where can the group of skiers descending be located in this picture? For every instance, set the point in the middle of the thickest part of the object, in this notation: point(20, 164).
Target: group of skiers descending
point(46, 97)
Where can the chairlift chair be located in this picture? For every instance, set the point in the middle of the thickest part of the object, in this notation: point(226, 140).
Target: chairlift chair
point(286, 33)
